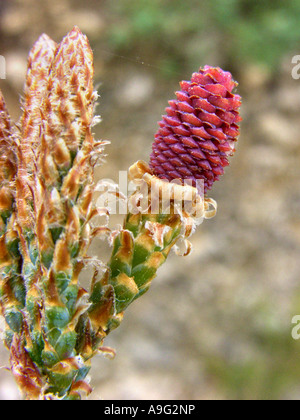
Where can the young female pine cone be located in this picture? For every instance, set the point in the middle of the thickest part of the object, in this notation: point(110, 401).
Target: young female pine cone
point(199, 130)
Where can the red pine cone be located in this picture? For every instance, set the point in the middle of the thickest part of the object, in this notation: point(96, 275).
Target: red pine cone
point(199, 130)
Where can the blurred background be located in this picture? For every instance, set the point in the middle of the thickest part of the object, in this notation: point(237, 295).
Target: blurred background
point(216, 324)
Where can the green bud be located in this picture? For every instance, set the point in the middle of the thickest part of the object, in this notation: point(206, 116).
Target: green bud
point(49, 358)
point(57, 317)
point(65, 345)
point(14, 319)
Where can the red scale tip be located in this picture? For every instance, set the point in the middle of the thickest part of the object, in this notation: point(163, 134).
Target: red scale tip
point(199, 130)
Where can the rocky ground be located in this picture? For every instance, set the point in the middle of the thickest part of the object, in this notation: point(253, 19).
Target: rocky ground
point(216, 324)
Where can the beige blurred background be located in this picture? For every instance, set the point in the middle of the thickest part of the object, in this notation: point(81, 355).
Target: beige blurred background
point(216, 324)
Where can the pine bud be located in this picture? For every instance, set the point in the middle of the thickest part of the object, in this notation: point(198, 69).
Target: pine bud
point(199, 130)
